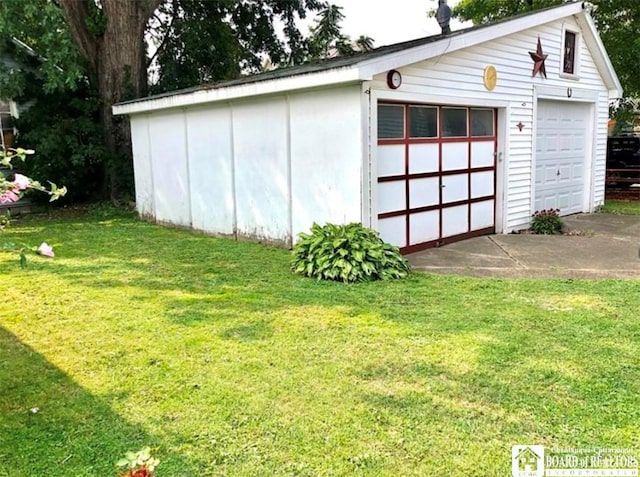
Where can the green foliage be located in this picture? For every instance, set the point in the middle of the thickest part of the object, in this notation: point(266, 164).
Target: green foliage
point(138, 464)
point(546, 222)
point(40, 25)
point(482, 11)
point(347, 253)
point(621, 207)
point(65, 130)
point(202, 42)
point(327, 40)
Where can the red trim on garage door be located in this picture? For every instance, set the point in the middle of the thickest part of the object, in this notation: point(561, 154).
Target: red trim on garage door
point(436, 176)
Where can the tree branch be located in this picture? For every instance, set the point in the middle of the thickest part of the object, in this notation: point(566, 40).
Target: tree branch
point(76, 14)
point(163, 42)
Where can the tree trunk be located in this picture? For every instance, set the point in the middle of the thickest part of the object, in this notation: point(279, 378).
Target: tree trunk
point(117, 61)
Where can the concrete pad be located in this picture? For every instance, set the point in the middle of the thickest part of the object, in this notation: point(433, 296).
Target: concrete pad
point(608, 247)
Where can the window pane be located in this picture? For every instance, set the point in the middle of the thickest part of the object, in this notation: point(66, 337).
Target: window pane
point(454, 122)
point(390, 121)
point(481, 122)
point(569, 52)
point(423, 122)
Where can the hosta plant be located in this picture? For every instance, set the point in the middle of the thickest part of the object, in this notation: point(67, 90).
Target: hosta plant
point(547, 222)
point(347, 253)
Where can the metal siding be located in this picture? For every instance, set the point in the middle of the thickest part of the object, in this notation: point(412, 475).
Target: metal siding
point(326, 157)
point(142, 166)
point(261, 157)
point(169, 168)
point(211, 167)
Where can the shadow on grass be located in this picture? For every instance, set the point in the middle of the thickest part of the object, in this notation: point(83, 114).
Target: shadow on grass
point(50, 426)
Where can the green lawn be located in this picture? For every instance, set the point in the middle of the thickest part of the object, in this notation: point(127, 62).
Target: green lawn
point(215, 355)
point(622, 207)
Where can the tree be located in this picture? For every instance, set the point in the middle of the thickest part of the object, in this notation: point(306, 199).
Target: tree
point(327, 40)
point(110, 38)
point(200, 41)
point(80, 40)
point(618, 22)
point(103, 42)
point(481, 11)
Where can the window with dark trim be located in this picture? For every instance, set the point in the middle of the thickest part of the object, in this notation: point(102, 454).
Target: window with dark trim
point(482, 122)
point(454, 122)
point(390, 121)
point(423, 121)
point(569, 56)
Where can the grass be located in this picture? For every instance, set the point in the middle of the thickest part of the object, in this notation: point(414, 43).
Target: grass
point(215, 355)
point(622, 207)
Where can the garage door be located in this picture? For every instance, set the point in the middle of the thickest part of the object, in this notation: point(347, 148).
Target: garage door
point(561, 162)
point(435, 174)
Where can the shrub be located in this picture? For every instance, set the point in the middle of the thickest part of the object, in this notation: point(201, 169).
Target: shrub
point(64, 128)
point(546, 222)
point(347, 253)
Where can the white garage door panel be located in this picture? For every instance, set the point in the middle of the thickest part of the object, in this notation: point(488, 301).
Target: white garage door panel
point(391, 196)
point(423, 158)
point(390, 161)
point(561, 156)
point(393, 231)
point(482, 214)
point(455, 220)
point(424, 227)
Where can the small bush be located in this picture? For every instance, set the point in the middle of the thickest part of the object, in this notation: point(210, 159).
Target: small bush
point(347, 253)
point(546, 222)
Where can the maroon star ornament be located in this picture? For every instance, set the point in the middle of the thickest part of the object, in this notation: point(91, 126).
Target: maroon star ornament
point(538, 58)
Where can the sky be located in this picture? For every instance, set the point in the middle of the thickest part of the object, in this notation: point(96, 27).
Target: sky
point(391, 21)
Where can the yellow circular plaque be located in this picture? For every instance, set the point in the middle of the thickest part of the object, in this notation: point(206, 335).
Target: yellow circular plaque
point(490, 77)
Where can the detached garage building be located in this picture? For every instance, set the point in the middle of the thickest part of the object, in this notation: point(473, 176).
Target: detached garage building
point(427, 141)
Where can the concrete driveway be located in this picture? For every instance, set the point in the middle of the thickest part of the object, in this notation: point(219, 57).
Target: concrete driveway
point(603, 246)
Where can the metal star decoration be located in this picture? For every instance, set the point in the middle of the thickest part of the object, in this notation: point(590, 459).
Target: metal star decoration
point(538, 58)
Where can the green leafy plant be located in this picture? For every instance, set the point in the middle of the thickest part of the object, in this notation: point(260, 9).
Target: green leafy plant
point(138, 464)
point(347, 253)
point(546, 222)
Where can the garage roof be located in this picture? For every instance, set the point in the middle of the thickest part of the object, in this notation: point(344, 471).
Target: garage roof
point(363, 66)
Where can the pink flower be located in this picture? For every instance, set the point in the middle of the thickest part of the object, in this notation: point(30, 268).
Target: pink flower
point(46, 250)
point(8, 196)
point(21, 182)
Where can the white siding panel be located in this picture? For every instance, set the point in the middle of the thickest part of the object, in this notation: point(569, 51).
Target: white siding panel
point(211, 164)
point(261, 158)
point(170, 170)
point(326, 157)
point(142, 165)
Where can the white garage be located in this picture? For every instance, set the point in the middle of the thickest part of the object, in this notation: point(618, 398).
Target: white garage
point(427, 141)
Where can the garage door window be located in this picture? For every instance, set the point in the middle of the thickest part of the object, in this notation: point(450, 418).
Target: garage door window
point(423, 121)
point(454, 122)
point(482, 122)
point(390, 121)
